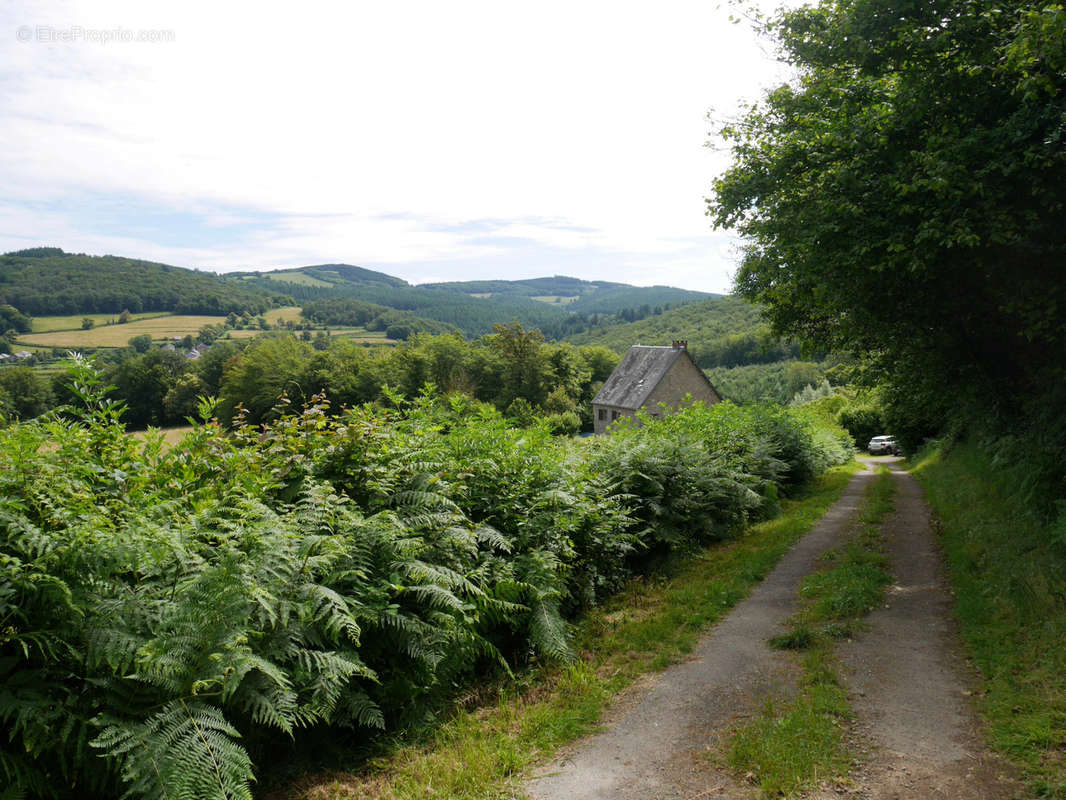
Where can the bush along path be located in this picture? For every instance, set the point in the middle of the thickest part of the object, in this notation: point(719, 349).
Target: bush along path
point(174, 621)
point(664, 742)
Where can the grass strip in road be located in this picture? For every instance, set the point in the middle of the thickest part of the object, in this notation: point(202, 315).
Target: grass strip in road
point(791, 747)
point(1007, 567)
point(481, 752)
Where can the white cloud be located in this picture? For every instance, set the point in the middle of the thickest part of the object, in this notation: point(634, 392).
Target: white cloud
point(335, 119)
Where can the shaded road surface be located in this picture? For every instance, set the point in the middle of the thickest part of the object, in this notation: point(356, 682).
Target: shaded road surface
point(915, 731)
point(657, 743)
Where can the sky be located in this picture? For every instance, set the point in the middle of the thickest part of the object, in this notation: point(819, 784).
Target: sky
point(433, 141)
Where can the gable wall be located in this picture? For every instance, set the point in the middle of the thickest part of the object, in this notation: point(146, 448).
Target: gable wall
point(683, 378)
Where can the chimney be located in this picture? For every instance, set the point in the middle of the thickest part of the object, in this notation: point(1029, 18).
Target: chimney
point(681, 344)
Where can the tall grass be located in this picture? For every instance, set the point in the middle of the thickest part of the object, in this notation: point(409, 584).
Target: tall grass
point(1007, 565)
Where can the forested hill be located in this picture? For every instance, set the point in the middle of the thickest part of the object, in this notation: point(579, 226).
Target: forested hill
point(722, 332)
point(579, 296)
point(45, 281)
point(316, 282)
point(558, 306)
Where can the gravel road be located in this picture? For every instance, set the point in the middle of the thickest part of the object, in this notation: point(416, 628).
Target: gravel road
point(656, 744)
point(909, 683)
point(916, 732)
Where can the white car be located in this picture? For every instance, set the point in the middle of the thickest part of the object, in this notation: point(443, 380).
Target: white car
point(882, 445)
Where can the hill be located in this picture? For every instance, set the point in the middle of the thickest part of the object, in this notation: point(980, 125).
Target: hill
point(729, 339)
point(318, 281)
point(579, 296)
point(474, 316)
point(558, 306)
point(721, 332)
point(47, 281)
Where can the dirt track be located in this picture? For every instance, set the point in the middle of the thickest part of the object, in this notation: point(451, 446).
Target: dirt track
point(909, 683)
point(915, 731)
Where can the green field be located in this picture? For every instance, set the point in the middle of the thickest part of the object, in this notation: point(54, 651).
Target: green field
point(358, 334)
point(66, 332)
point(158, 327)
point(362, 335)
point(244, 333)
point(73, 321)
point(279, 315)
point(298, 278)
point(556, 299)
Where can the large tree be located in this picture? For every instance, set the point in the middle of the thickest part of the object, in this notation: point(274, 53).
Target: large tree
point(904, 196)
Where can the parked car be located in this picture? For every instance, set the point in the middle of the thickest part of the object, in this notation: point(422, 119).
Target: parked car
point(883, 445)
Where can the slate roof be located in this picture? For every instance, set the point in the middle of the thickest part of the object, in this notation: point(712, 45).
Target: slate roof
point(637, 375)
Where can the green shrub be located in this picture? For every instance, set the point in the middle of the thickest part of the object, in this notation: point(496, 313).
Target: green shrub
point(173, 617)
point(863, 422)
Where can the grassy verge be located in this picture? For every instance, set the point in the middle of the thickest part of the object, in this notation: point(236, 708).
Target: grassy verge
point(793, 746)
point(480, 752)
point(1008, 570)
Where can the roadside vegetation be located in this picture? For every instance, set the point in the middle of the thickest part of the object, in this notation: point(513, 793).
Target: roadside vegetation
point(1007, 564)
point(652, 622)
point(794, 745)
point(176, 618)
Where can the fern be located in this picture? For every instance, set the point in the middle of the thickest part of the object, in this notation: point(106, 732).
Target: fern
point(186, 751)
point(166, 614)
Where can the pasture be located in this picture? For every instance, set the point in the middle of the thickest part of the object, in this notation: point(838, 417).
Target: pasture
point(276, 316)
point(72, 322)
point(158, 327)
point(298, 278)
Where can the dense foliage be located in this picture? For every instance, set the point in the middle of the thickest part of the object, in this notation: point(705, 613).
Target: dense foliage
point(775, 382)
point(11, 319)
point(511, 367)
point(46, 281)
point(904, 199)
point(172, 618)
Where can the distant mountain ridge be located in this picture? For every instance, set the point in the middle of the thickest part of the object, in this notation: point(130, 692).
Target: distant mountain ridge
point(559, 305)
point(47, 281)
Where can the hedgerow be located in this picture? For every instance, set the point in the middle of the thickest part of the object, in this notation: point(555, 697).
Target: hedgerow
point(172, 618)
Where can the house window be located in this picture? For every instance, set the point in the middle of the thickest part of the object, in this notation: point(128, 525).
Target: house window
point(603, 414)
point(614, 416)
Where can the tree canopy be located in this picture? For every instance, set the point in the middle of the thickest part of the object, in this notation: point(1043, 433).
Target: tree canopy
point(903, 197)
point(43, 281)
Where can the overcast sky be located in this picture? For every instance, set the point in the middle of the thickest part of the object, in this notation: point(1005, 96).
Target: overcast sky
point(430, 140)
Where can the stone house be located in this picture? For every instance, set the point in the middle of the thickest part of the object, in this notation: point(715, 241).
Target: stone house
point(648, 376)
